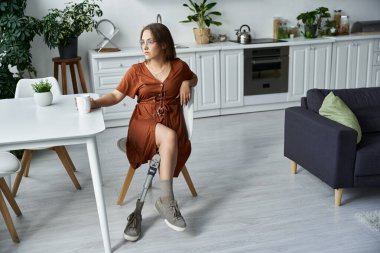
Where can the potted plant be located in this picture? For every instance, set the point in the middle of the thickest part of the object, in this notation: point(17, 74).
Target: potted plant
point(203, 17)
point(61, 28)
point(312, 21)
point(42, 93)
point(17, 31)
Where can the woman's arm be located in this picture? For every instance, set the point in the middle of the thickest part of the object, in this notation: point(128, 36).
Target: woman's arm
point(108, 99)
point(185, 90)
point(192, 82)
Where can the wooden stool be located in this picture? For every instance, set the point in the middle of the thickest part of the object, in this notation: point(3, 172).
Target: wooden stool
point(71, 62)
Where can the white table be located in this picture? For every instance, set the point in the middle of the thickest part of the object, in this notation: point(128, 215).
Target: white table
point(23, 125)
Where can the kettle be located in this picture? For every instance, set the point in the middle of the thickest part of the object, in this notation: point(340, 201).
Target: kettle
point(243, 36)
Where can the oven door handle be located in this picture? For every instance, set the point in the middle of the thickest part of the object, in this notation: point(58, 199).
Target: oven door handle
point(255, 62)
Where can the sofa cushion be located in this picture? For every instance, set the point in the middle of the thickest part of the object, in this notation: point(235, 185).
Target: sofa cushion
point(314, 99)
point(369, 119)
point(368, 155)
point(335, 109)
point(364, 103)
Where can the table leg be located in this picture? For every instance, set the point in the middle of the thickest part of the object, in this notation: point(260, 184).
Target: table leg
point(93, 157)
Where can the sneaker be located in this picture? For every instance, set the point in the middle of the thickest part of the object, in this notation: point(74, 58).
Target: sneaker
point(133, 229)
point(171, 214)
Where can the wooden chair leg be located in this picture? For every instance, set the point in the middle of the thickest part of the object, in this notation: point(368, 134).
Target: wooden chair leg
point(66, 154)
point(81, 77)
point(338, 196)
point(8, 195)
point(27, 167)
point(67, 164)
point(73, 79)
point(28, 157)
point(64, 80)
point(126, 184)
point(189, 182)
point(293, 167)
point(8, 219)
point(25, 162)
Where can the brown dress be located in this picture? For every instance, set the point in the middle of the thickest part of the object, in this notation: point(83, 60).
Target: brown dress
point(157, 103)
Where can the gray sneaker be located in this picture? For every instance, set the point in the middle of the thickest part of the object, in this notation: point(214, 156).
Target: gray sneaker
point(133, 229)
point(171, 214)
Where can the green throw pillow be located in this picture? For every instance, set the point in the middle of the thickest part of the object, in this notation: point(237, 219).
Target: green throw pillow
point(335, 109)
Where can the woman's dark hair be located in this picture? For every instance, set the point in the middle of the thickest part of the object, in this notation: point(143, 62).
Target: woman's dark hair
point(162, 36)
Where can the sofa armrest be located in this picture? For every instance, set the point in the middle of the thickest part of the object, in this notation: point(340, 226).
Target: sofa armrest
point(322, 146)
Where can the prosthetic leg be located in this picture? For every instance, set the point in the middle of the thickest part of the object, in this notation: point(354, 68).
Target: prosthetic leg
point(133, 229)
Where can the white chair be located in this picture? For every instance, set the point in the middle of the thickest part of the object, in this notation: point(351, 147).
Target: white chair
point(8, 164)
point(24, 89)
point(188, 113)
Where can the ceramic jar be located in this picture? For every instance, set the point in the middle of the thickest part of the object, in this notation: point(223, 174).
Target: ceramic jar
point(43, 98)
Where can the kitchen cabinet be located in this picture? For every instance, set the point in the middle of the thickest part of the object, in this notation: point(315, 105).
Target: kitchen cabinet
point(309, 67)
point(352, 64)
point(208, 87)
point(189, 58)
point(232, 78)
point(376, 65)
point(106, 74)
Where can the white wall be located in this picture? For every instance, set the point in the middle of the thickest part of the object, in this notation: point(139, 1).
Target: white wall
point(131, 15)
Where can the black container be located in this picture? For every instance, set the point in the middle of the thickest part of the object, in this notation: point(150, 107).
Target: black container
point(70, 50)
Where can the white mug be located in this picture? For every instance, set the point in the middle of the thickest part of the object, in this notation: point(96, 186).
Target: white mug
point(83, 104)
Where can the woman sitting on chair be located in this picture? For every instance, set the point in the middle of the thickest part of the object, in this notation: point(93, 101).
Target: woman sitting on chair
point(162, 84)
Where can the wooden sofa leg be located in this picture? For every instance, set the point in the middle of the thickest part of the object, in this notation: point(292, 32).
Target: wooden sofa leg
point(338, 196)
point(293, 167)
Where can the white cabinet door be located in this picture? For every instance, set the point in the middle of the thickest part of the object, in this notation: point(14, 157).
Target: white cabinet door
point(351, 64)
point(189, 58)
point(362, 72)
point(309, 67)
point(320, 66)
point(376, 77)
point(299, 65)
point(208, 72)
point(232, 78)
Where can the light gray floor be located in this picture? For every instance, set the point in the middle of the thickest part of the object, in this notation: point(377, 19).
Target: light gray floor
point(248, 199)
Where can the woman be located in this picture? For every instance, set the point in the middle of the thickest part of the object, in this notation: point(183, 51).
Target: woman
point(162, 84)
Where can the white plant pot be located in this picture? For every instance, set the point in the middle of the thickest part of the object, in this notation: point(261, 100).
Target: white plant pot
point(43, 98)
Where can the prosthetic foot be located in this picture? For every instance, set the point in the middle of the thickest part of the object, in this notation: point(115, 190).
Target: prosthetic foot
point(133, 229)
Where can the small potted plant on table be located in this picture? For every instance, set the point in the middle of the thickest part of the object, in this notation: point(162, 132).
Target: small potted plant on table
point(203, 17)
point(42, 93)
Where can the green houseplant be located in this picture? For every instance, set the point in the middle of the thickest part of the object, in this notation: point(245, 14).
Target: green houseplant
point(312, 21)
point(41, 86)
point(16, 34)
point(203, 18)
point(42, 93)
point(61, 28)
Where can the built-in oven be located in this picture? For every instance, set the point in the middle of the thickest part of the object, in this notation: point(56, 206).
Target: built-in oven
point(266, 70)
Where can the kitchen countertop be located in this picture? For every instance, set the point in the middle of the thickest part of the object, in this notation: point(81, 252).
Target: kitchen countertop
point(228, 45)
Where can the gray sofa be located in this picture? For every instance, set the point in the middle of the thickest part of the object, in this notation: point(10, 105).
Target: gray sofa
point(328, 149)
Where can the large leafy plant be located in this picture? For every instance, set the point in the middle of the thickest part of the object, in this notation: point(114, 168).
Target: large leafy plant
point(61, 26)
point(202, 14)
point(16, 34)
point(314, 18)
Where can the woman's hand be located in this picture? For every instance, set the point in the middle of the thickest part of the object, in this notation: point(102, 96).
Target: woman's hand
point(185, 92)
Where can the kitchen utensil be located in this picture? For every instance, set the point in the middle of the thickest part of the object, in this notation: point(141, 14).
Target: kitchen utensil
point(243, 36)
